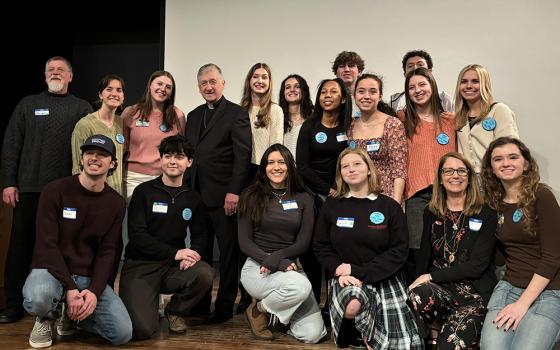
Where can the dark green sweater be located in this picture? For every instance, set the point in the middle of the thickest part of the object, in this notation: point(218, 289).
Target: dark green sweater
point(36, 148)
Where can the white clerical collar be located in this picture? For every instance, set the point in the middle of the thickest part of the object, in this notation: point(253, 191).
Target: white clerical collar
point(371, 196)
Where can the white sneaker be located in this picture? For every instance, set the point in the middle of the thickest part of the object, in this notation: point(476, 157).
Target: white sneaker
point(64, 325)
point(41, 335)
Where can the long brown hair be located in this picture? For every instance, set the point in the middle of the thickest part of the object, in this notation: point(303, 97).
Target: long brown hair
point(144, 106)
point(253, 201)
point(412, 118)
point(473, 198)
point(495, 191)
point(263, 117)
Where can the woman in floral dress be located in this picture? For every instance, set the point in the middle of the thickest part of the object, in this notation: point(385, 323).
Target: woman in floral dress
point(455, 269)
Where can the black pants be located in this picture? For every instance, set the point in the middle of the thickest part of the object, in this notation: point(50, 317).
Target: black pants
point(20, 251)
point(224, 228)
point(142, 281)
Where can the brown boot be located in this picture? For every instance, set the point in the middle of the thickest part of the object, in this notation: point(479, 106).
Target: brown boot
point(258, 321)
point(177, 323)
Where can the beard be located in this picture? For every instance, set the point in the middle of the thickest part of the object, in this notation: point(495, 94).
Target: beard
point(55, 85)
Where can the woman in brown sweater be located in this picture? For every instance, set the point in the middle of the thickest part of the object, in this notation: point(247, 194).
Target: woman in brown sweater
point(524, 310)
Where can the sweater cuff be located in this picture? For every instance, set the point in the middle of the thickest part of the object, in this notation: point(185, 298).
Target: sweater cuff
point(357, 271)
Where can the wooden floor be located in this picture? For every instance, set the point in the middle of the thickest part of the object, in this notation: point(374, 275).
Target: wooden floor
point(233, 334)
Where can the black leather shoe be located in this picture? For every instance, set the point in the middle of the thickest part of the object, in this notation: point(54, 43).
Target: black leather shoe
point(11, 315)
point(219, 317)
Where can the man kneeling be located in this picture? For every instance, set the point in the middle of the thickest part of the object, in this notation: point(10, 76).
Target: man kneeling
point(156, 258)
point(79, 222)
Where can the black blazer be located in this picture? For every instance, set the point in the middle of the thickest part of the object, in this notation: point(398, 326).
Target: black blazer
point(475, 254)
point(222, 153)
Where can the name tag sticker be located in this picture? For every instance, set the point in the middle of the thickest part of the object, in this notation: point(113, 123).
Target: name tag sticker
point(42, 111)
point(341, 137)
point(289, 205)
point(159, 207)
point(373, 146)
point(345, 222)
point(69, 213)
point(142, 123)
point(475, 224)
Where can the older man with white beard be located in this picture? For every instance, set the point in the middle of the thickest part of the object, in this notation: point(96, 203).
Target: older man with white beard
point(36, 150)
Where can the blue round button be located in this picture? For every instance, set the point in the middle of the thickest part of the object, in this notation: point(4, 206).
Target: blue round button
point(163, 127)
point(377, 217)
point(357, 114)
point(489, 124)
point(120, 138)
point(442, 138)
point(321, 137)
point(187, 214)
point(352, 144)
point(517, 215)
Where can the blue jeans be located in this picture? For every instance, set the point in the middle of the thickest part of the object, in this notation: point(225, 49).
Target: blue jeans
point(42, 292)
point(539, 329)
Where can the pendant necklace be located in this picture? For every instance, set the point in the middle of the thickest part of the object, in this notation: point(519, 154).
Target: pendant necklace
point(279, 195)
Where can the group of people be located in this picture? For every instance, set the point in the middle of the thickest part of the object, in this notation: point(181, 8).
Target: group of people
point(404, 207)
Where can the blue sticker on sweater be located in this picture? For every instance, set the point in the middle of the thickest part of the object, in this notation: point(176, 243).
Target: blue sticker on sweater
point(321, 137)
point(187, 214)
point(352, 144)
point(442, 138)
point(489, 124)
point(163, 127)
point(120, 138)
point(517, 215)
point(358, 114)
point(377, 217)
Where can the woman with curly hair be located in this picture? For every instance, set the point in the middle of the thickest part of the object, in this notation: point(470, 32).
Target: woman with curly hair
point(454, 269)
point(524, 310)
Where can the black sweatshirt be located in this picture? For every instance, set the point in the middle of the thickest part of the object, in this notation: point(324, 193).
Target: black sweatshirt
point(158, 217)
point(318, 148)
point(371, 235)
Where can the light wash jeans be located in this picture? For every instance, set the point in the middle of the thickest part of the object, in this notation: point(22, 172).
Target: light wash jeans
point(42, 292)
point(288, 296)
point(539, 329)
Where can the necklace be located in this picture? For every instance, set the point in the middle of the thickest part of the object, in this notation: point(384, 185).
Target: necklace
point(279, 195)
point(451, 246)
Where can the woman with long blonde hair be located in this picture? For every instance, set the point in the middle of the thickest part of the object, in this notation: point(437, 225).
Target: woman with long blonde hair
point(479, 119)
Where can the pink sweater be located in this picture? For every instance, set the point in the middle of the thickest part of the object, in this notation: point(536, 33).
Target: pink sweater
point(143, 140)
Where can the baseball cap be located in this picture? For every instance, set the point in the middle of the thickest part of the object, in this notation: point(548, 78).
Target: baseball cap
point(101, 142)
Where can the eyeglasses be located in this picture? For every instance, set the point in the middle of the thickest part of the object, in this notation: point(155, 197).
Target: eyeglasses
point(451, 171)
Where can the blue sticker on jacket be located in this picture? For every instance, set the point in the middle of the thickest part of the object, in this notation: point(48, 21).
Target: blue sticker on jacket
point(321, 137)
point(187, 214)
